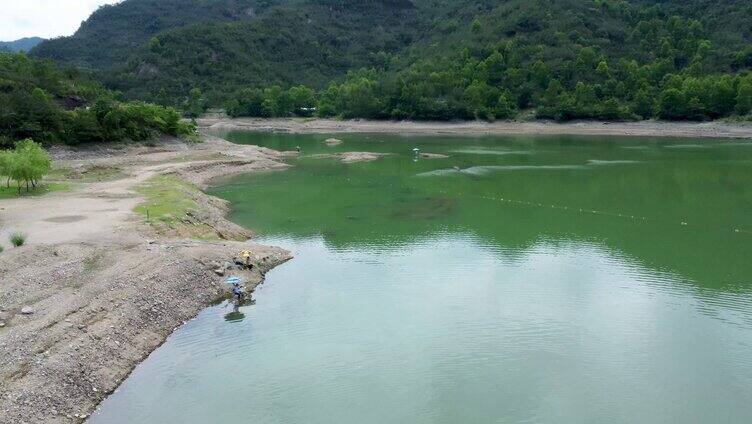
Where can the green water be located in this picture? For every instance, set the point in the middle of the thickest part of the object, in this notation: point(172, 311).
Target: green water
point(522, 279)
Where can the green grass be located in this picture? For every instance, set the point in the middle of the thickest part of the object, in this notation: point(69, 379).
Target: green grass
point(92, 263)
point(92, 174)
point(167, 198)
point(169, 203)
point(17, 239)
point(12, 192)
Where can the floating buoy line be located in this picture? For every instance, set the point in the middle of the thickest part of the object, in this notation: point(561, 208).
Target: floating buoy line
point(635, 218)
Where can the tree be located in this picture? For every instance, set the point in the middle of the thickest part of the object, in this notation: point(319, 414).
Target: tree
point(480, 97)
point(6, 159)
point(476, 26)
point(672, 104)
point(504, 108)
point(492, 69)
point(643, 104)
point(327, 105)
point(194, 105)
point(744, 96)
point(29, 163)
point(302, 100)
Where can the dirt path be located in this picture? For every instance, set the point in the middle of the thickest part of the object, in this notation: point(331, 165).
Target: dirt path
point(95, 290)
point(644, 128)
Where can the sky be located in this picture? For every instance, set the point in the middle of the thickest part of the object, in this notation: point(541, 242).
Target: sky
point(44, 18)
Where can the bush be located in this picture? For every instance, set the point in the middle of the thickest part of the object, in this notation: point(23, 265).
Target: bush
point(17, 239)
point(1, 248)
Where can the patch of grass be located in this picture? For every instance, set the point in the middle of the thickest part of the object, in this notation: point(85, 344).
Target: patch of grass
point(92, 263)
point(17, 239)
point(96, 173)
point(1, 248)
point(167, 198)
point(12, 191)
point(170, 208)
point(192, 138)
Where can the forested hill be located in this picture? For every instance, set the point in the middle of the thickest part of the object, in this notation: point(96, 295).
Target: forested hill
point(426, 59)
point(114, 32)
point(20, 45)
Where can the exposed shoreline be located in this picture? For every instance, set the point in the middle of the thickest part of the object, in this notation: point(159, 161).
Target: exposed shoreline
point(478, 128)
point(105, 289)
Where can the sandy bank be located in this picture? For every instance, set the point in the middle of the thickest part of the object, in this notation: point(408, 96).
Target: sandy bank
point(102, 289)
point(645, 128)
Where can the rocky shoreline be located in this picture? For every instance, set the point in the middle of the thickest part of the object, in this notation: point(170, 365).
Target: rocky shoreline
point(478, 128)
point(95, 289)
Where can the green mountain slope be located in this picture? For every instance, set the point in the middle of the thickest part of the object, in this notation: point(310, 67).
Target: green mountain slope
point(114, 32)
point(429, 59)
point(306, 43)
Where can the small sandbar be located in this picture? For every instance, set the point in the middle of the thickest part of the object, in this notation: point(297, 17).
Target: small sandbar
point(486, 169)
point(687, 146)
point(598, 162)
point(491, 152)
point(432, 156)
point(332, 142)
point(351, 157)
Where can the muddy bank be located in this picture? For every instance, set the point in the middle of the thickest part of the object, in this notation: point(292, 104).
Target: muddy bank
point(96, 288)
point(644, 128)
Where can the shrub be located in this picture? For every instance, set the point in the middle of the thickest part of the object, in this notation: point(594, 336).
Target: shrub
point(17, 239)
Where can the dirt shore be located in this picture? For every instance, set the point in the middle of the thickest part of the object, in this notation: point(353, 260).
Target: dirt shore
point(95, 289)
point(329, 126)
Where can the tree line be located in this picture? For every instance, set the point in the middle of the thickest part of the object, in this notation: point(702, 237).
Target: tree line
point(493, 87)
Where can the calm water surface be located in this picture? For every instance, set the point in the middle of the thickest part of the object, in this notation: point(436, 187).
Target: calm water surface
point(548, 280)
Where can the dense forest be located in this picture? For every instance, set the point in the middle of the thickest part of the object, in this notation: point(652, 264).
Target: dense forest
point(39, 101)
point(425, 59)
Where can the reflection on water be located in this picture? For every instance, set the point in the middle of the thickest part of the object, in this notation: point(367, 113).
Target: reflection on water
point(603, 284)
point(234, 316)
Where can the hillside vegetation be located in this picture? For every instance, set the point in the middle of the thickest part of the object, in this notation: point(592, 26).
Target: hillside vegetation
point(114, 32)
point(42, 102)
point(426, 59)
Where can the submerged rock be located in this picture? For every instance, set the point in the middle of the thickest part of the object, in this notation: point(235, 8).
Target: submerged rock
point(331, 142)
